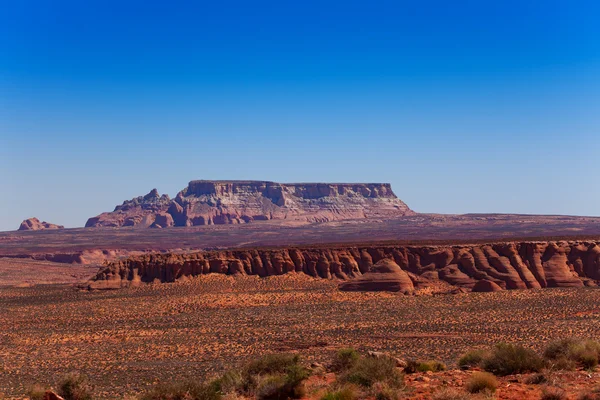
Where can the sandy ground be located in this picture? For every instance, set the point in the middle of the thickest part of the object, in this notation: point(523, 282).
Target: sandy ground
point(129, 339)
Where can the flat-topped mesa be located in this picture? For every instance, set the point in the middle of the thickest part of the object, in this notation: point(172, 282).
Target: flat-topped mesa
point(302, 190)
point(205, 202)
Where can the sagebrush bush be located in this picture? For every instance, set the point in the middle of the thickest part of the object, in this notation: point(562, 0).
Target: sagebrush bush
point(482, 381)
point(346, 392)
point(567, 353)
point(189, 390)
point(553, 393)
point(413, 366)
point(271, 377)
point(229, 382)
point(593, 394)
point(75, 386)
point(560, 349)
point(450, 394)
point(36, 392)
point(369, 370)
point(382, 391)
point(472, 358)
point(509, 359)
point(271, 363)
point(536, 379)
point(433, 366)
point(345, 359)
point(275, 377)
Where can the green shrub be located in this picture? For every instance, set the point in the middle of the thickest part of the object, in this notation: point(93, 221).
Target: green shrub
point(74, 387)
point(472, 358)
point(271, 364)
point(450, 394)
point(345, 359)
point(553, 393)
point(36, 392)
point(369, 370)
point(280, 387)
point(229, 382)
point(593, 394)
point(586, 353)
point(536, 379)
point(560, 349)
point(413, 366)
point(188, 390)
point(509, 359)
point(383, 392)
point(347, 392)
point(433, 366)
point(271, 377)
point(274, 376)
point(482, 381)
point(566, 353)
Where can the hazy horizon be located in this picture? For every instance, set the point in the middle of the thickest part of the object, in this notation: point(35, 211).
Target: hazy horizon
point(463, 108)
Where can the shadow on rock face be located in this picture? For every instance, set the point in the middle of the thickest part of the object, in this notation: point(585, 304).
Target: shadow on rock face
point(385, 275)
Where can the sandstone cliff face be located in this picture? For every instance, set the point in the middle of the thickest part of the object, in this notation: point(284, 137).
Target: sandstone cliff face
point(34, 224)
point(143, 211)
point(524, 265)
point(238, 202)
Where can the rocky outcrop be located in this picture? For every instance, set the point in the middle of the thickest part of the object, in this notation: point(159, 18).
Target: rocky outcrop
point(238, 202)
point(385, 275)
point(143, 211)
point(34, 224)
point(511, 265)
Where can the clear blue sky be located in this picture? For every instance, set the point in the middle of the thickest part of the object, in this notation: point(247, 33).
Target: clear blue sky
point(464, 106)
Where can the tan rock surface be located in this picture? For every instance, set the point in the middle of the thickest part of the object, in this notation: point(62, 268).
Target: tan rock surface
point(34, 224)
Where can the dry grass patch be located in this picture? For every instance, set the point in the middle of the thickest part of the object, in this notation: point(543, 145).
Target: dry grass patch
point(482, 381)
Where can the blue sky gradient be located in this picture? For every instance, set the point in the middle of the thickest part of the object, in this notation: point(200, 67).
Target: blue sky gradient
point(465, 106)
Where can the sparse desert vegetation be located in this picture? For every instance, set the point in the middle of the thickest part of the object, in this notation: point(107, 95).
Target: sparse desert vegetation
point(159, 338)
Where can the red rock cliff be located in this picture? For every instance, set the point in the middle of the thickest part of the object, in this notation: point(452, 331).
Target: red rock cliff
point(236, 202)
point(511, 265)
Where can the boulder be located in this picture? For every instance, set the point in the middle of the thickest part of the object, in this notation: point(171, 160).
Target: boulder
point(486, 286)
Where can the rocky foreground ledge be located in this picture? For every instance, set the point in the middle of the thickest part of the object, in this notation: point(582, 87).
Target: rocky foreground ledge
point(497, 266)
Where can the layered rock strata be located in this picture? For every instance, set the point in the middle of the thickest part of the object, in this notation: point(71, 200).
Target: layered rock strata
point(238, 202)
point(511, 265)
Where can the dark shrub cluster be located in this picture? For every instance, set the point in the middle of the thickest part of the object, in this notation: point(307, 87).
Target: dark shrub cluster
point(569, 353)
point(413, 366)
point(75, 387)
point(272, 377)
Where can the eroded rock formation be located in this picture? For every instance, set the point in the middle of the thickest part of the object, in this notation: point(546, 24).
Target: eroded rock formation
point(512, 265)
point(237, 202)
point(34, 224)
point(143, 211)
point(385, 275)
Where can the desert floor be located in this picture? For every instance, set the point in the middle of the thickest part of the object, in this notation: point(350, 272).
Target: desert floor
point(128, 339)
